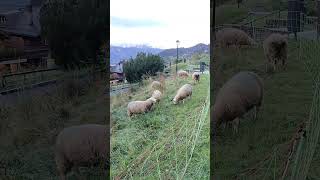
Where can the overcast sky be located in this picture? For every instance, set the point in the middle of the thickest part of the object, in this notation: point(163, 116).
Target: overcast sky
point(159, 23)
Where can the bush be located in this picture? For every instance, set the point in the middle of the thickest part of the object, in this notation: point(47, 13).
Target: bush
point(143, 64)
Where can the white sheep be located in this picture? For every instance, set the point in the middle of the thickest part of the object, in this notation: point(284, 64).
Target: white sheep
point(183, 74)
point(156, 85)
point(137, 107)
point(184, 92)
point(276, 48)
point(157, 95)
point(232, 36)
point(196, 77)
point(82, 145)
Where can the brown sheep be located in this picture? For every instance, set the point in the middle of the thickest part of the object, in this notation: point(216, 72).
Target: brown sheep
point(237, 96)
point(196, 77)
point(232, 36)
point(276, 48)
point(183, 74)
point(82, 145)
point(184, 92)
point(137, 107)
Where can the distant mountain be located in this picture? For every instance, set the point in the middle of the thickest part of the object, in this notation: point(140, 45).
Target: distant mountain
point(185, 52)
point(118, 53)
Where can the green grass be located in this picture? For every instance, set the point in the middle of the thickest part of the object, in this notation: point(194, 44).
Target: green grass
point(29, 127)
point(170, 142)
point(287, 100)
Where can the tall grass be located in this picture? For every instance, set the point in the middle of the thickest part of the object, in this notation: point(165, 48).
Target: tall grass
point(259, 150)
point(171, 142)
point(32, 123)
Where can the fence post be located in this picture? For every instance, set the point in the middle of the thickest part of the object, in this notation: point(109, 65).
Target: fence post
point(318, 21)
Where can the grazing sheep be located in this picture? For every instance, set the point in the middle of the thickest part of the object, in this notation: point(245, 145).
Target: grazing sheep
point(137, 107)
point(276, 48)
point(157, 95)
point(232, 36)
point(236, 97)
point(156, 85)
point(82, 145)
point(196, 77)
point(183, 74)
point(184, 92)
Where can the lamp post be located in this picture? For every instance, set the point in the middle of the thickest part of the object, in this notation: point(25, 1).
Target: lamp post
point(178, 42)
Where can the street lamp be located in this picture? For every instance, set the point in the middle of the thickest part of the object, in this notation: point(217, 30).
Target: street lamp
point(178, 42)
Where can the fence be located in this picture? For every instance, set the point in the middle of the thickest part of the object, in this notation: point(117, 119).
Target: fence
point(14, 81)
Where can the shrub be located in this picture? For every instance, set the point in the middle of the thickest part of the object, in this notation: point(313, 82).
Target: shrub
point(143, 64)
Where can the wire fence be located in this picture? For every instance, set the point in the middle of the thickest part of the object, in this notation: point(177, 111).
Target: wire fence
point(297, 155)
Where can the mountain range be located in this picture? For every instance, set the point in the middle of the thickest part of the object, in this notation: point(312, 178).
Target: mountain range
point(118, 53)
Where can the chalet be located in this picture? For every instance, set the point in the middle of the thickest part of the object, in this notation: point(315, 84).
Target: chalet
point(116, 71)
point(21, 45)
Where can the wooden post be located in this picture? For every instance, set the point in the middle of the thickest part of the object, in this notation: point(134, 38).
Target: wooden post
point(318, 21)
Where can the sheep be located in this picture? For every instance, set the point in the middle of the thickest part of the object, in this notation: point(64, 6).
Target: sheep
point(156, 85)
point(81, 145)
point(275, 48)
point(237, 96)
point(184, 92)
point(157, 95)
point(137, 107)
point(196, 77)
point(233, 36)
point(183, 74)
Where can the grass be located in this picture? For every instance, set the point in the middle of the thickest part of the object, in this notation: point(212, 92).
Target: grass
point(29, 127)
point(170, 142)
point(287, 101)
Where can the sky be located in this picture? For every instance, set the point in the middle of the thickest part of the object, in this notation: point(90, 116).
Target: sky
point(159, 23)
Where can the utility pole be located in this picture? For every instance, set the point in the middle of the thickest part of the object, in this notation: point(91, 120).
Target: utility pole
point(178, 42)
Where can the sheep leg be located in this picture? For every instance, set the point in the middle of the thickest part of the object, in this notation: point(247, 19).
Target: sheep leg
point(235, 124)
point(62, 166)
point(256, 110)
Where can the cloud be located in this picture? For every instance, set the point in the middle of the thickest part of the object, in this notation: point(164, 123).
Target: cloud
point(160, 23)
point(129, 23)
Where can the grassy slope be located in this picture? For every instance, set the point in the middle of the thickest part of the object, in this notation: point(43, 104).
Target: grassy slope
point(26, 147)
point(287, 100)
point(160, 138)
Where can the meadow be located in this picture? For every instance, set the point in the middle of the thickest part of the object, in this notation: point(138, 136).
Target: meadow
point(170, 142)
point(260, 149)
point(29, 126)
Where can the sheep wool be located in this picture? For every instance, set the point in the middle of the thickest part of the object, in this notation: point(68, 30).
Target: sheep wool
point(137, 107)
point(275, 48)
point(156, 85)
point(232, 36)
point(236, 97)
point(81, 145)
point(183, 74)
point(157, 95)
point(184, 92)
point(196, 77)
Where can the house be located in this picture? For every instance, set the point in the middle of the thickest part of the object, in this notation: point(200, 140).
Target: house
point(116, 71)
point(20, 38)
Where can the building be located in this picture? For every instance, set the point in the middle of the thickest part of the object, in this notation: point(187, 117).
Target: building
point(116, 71)
point(20, 32)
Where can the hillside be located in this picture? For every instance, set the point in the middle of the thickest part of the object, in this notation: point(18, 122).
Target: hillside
point(251, 154)
point(118, 53)
point(185, 52)
point(170, 142)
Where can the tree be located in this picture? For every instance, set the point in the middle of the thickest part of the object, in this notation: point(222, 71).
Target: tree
point(75, 30)
point(143, 64)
